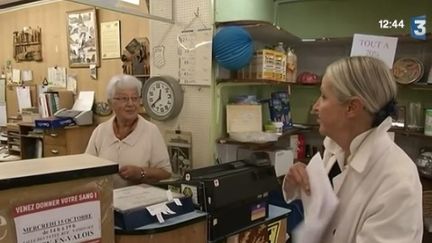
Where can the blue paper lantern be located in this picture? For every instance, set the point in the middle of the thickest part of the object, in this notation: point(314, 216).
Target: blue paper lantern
point(233, 47)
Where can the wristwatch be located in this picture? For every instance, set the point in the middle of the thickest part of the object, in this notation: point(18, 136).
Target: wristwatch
point(142, 173)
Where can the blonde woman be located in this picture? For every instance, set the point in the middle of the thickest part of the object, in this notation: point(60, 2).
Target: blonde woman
point(377, 184)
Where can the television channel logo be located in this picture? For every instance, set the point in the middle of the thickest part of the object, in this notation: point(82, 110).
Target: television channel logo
point(418, 27)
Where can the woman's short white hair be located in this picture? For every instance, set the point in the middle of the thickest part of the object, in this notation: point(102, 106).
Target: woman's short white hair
point(123, 81)
point(365, 77)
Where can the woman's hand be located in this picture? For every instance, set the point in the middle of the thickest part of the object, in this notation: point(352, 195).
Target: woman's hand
point(131, 173)
point(297, 177)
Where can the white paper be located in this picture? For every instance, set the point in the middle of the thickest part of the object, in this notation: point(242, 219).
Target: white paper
point(110, 39)
point(84, 101)
point(71, 84)
point(41, 89)
point(3, 114)
point(169, 195)
point(23, 96)
point(16, 76)
point(2, 90)
point(177, 202)
point(319, 206)
point(195, 50)
point(57, 77)
point(140, 196)
point(27, 75)
point(381, 47)
point(156, 209)
point(159, 209)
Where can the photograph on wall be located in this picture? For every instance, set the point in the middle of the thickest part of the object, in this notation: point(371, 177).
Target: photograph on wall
point(180, 150)
point(82, 38)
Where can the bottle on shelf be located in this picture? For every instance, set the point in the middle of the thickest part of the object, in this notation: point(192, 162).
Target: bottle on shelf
point(279, 62)
point(291, 66)
point(280, 47)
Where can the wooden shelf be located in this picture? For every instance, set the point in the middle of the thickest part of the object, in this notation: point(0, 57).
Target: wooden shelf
point(422, 87)
point(32, 136)
point(264, 32)
point(287, 132)
point(27, 43)
point(254, 145)
point(141, 75)
point(406, 132)
point(348, 40)
point(251, 81)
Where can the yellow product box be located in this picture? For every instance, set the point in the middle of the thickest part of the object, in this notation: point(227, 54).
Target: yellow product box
point(280, 66)
point(263, 64)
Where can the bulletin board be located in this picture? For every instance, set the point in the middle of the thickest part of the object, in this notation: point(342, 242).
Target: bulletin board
point(167, 55)
point(185, 48)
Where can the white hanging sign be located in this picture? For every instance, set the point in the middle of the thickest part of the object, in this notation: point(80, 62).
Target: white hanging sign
point(381, 47)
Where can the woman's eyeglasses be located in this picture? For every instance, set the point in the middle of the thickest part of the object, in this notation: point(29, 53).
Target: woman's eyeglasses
point(126, 99)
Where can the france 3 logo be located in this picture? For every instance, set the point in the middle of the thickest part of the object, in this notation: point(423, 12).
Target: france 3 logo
point(418, 27)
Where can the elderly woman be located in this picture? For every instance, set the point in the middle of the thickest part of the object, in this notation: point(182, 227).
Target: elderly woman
point(377, 184)
point(127, 138)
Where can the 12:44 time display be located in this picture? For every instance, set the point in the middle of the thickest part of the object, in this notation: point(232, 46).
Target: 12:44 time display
point(391, 24)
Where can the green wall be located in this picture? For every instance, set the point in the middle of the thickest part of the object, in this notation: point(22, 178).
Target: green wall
point(343, 18)
point(232, 10)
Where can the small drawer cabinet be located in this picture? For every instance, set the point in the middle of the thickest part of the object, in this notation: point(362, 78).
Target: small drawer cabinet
point(65, 141)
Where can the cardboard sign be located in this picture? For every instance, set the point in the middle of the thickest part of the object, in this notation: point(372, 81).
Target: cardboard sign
point(74, 218)
point(381, 47)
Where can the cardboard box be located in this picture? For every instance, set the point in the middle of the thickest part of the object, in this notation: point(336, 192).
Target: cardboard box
point(243, 118)
point(263, 64)
point(54, 122)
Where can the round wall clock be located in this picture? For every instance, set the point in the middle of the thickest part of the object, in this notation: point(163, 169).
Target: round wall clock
point(162, 97)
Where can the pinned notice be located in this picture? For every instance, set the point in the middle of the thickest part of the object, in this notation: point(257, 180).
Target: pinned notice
point(381, 47)
point(23, 96)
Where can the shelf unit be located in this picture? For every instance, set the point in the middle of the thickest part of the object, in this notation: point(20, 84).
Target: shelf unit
point(228, 86)
point(13, 139)
point(3, 137)
point(27, 45)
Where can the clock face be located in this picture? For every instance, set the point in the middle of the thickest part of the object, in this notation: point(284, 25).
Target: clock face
point(162, 97)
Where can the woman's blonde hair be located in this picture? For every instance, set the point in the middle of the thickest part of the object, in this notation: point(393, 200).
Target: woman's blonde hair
point(365, 77)
point(123, 81)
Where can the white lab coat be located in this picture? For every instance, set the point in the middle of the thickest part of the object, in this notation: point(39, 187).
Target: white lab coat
point(380, 195)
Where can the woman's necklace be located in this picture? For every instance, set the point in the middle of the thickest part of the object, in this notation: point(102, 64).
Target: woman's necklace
point(122, 132)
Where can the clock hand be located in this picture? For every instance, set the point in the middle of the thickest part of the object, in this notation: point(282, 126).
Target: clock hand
point(159, 98)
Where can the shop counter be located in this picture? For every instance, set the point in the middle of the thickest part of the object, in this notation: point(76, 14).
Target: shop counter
point(57, 199)
point(185, 228)
point(192, 227)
